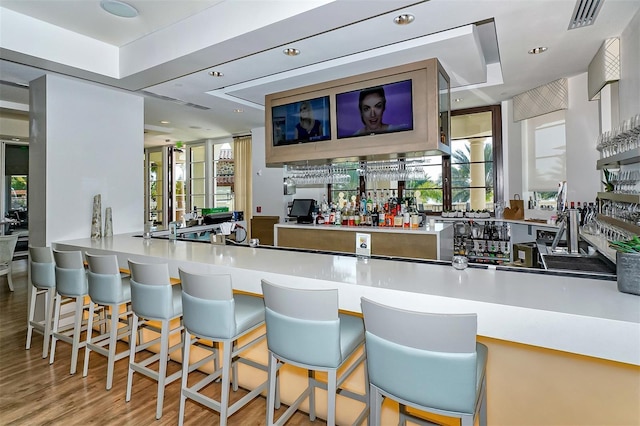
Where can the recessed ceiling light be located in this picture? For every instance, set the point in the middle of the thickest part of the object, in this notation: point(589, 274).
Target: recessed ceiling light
point(238, 110)
point(16, 139)
point(537, 50)
point(119, 8)
point(290, 51)
point(404, 19)
point(458, 100)
point(215, 74)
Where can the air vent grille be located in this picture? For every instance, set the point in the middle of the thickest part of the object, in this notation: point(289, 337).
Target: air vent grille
point(174, 100)
point(585, 13)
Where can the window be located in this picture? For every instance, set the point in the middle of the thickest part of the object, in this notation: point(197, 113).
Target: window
point(544, 157)
point(197, 177)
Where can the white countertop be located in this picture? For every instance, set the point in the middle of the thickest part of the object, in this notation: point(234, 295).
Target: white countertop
point(579, 315)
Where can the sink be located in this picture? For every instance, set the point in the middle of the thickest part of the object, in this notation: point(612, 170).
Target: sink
point(579, 263)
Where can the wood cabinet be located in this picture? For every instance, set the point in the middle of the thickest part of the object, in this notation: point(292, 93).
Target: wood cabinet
point(428, 135)
point(262, 228)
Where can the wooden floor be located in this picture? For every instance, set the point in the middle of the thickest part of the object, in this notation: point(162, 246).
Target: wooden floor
point(32, 392)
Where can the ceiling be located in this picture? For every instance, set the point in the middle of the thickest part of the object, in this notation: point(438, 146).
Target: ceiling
point(166, 53)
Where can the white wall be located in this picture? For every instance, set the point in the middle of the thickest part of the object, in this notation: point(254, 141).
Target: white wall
point(86, 139)
point(267, 181)
point(582, 129)
point(630, 69)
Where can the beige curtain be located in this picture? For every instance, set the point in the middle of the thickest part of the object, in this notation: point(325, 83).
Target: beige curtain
point(243, 181)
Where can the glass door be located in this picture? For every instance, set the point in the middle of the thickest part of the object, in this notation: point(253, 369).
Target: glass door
point(15, 188)
point(155, 186)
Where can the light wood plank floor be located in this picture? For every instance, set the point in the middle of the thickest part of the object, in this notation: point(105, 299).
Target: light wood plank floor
point(32, 392)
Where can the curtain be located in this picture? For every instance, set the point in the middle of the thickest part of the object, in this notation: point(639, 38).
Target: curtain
point(243, 181)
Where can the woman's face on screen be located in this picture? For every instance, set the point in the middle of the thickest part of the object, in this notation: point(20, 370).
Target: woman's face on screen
point(371, 112)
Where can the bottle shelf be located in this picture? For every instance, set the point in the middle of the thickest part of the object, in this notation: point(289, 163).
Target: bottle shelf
point(623, 198)
point(627, 157)
point(635, 229)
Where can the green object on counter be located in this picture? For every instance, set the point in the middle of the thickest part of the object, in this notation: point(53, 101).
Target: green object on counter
point(629, 246)
point(206, 211)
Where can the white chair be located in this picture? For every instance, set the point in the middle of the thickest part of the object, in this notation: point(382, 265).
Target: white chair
point(213, 313)
point(109, 289)
point(305, 329)
point(7, 247)
point(42, 273)
point(153, 298)
point(71, 288)
point(427, 361)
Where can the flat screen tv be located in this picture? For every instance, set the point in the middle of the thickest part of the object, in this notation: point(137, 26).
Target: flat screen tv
point(302, 209)
point(300, 122)
point(379, 109)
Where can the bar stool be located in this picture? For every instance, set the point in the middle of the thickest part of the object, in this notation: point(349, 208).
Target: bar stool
point(42, 272)
point(107, 288)
point(305, 329)
point(153, 298)
point(7, 247)
point(213, 313)
point(434, 365)
point(71, 287)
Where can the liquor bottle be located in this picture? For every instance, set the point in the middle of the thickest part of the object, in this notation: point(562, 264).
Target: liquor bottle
point(338, 217)
point(375, 217)
point(363, 203)
point(369, 203)
point(320, 219)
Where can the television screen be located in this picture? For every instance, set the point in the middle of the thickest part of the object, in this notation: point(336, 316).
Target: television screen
point(299, 122)
point(380, 109)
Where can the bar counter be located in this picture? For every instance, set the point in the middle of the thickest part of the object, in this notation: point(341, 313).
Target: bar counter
point(584, 316)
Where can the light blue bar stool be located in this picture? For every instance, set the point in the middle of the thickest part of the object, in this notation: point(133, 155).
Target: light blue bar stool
point(213, 313)
point(153, 298)
point(42, 274)
point(71, 288)
point(108, 289)
point(305, 329)
point(427, 361)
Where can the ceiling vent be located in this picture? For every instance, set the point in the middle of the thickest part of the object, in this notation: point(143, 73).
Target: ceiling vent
point(585, 13)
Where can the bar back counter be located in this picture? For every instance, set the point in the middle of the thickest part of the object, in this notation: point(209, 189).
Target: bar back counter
point(562, 349)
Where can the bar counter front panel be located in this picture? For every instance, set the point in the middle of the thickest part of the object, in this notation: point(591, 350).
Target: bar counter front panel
point(543, 331)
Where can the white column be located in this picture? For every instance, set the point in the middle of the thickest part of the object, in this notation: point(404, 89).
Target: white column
point(85, 139)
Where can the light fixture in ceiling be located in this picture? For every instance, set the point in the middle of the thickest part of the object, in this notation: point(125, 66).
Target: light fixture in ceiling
point(404, 19)
point(537, 50)
point(16, 139)
point(164, 122)
point(456, 100)
point(290, 51)
point(215, 74)
point(119, 8)
point(238, 110)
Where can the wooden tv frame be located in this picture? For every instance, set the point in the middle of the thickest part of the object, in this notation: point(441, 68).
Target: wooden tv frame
point(424, 139)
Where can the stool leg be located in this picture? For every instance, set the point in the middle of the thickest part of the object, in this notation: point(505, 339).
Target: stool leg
point(235, 371)
point(271, 394)
point(375, 406)
point(331, 397)
point(113, 342)
point(48, 317)
point(77, 328)
point(226, 381)
point(32, 311)
point(185, 375)
point(132, 355)
point(162, 371)
point(56, 320)
point(87, 349)
point(311, 379)
point(9, 280)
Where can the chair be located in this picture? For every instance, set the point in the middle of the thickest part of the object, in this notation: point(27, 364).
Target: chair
point(71, 287)
point(430, 362)
point(107, 288)
point(7, 247)
point(305, 329)
point(153, 298)
point(213, 313)
point(42, 272)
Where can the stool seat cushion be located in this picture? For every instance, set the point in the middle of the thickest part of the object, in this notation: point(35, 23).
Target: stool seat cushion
point(351, 334)
point(249, 311)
